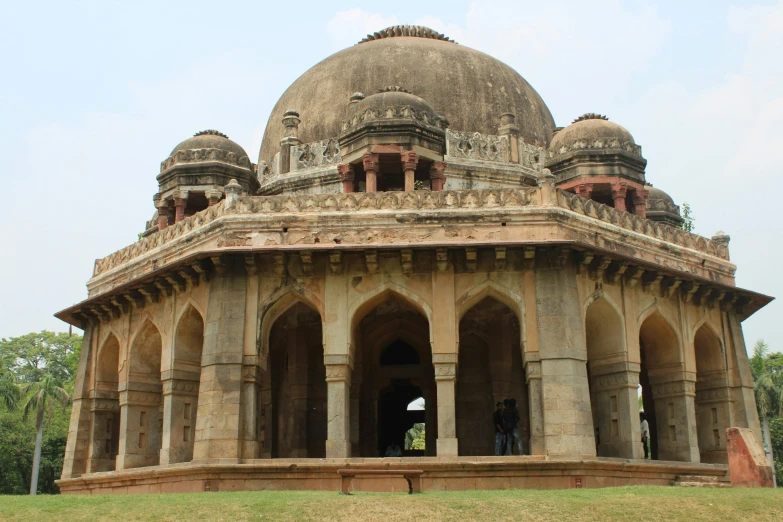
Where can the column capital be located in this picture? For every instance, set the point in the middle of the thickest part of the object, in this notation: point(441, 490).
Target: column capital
point(346, 172)
point(409, 160)
point(180, 387)
point(619, 189)
point(445, 371)
point(585, 190)
point(438, 170)
point(370, 161)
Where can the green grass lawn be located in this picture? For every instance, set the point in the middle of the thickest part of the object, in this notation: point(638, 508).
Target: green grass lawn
point(627, 503)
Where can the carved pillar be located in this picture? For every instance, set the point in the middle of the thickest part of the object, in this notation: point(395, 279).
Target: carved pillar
point(180, 202)
point(619, 190)
point(585, 190)
point(213, 196)
point(346, 176)
point(370, 162)
point(104, 432)
point(508, 128)
point(615, 400)
point(291, 123)
point(338, 403)
point(409, 162)
point(640, 202)
point(715, 413)
point(180, 401)
point(445, 380)
point(675, 413)
point(535, 403)
point(438, 175)
point(140, 425)
point(163, 215)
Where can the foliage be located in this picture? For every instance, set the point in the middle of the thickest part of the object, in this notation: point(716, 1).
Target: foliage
point(776, 434)
point(767, 380)
point(687, 218)
point(414, 437)
point(40, 368)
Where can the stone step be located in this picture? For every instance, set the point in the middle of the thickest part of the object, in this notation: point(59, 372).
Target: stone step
point(701, 481)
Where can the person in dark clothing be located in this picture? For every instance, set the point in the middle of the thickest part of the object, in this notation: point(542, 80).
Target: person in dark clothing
point(500, 434)
point(511, 427)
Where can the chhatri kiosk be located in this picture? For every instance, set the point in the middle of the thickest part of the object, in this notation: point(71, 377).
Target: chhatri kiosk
point(415, 229)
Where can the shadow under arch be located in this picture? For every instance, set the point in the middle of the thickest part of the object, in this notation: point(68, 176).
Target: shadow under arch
point(105, 418)
point(276, 306)
point(713, 394)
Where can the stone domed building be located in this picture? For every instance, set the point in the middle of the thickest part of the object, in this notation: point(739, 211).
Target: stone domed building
point(416, 242)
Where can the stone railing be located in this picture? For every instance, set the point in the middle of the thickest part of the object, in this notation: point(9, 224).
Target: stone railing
point(641, 225)
point(196, 155)
point(316, 154)
point(414, 200)
point(477, 146)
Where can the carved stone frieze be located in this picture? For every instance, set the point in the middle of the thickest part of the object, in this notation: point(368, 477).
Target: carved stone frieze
point(674, 389)
point(105, 405)
point(713, 395)
point(180, 387)
point(395, 112)
point(139, 398)
point(316, 154)
point(338, 372)
point(608, 143)
point(200, 155)
point(614, 381)
point(477, 146)
point(445, 371)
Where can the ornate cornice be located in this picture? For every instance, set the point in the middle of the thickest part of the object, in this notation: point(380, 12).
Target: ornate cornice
point(182, 157)
point(394, 112)
point(607, 144)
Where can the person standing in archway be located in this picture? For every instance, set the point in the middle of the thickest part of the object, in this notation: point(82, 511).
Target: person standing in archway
point(511, 427)
point(500, 434)
point(645, 433)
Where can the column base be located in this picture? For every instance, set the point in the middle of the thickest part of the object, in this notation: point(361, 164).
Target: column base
point(448, 447)
point(338, 449)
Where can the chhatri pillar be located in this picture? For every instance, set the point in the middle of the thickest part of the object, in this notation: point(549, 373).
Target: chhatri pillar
point(619, 190)
point(438, 175)
point(585, 190)
point(370, 162)
point(180, 202)
point(163, 214)
point(409, 162)
point(213, 196)
point(346, 176)
point(640, 202)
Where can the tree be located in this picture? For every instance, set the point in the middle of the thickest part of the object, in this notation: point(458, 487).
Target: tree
point(42, 395)
point(32, 355)
point(687, 218)
point(767, 386)
point(9, 390)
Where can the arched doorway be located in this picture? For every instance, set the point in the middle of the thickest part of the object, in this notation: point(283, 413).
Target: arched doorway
point(141, 410)
point(393, 367)
point(613, 392)
point(489, 371)
point(713, 396)
point(106, 408)
point(667, 396)
point(295, 386)
point(181, 400)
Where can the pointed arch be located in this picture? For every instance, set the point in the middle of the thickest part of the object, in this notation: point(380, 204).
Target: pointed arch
point(277, 305)
point(604, 327)
point(108, 362)
point(660, 338)
point(369, 300)
point(708, 349)
point(191, 303)
point(144, 355)
point(189, 336)
point(490, 288)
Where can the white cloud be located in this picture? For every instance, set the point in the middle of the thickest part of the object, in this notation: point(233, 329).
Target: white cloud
point(349, 26)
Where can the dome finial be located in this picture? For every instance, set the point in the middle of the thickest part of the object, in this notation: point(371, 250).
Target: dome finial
point(590, 116)
point(416, 31)
point(210, 132)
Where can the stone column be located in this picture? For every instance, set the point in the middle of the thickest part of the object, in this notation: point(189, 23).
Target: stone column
point(640, 202)
point(180, 202)
point(619, 190)
point(370, 162)
point(508, 127)
point(180, 402)
point(438, 175)
point(715, 413)
point(163, 215)
point(445, 380)
point(76, 448)
point(252, 420)
point(213, 196)
point(535, 404)
point(218, 424)
point(140, 425)
point(346, 176)
point(675, 413)
point(104, 432)
point(568, 421)
point(585, 190)
point(409, 162)
point(338, 403)
point(615, 399)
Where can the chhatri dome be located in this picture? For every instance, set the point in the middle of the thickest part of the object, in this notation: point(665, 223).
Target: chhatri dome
point(416, 231)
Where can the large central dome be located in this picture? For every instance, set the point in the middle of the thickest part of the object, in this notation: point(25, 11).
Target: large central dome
point(471, 89)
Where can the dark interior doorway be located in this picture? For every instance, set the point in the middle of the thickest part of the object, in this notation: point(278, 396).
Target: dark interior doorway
point(394, 417)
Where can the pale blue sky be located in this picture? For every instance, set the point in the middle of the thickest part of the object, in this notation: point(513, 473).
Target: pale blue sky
point(95, 94)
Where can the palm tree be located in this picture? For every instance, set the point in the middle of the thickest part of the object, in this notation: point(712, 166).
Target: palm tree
point(9, 390)
point(42, 395)
point(767, 386)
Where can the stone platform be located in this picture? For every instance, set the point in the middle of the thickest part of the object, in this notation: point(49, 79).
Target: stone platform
point(440, 474)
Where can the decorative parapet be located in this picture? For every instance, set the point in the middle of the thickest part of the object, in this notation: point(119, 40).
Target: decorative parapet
point(199, 155)
point(316, 154)
point(602, 144)
point(531, 156)
point(395, 112)
point(596, 210)
point(477, 146)
point(661, 205)
point(413, 200)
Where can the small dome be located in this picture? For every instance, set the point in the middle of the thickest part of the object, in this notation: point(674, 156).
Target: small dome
point(210, 139)
point(592, 131)
point(661, 207)
point(391, 103)
point(394, 97)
